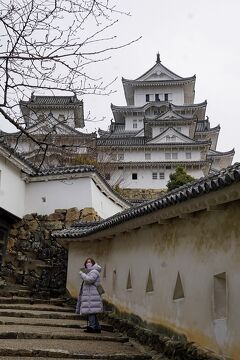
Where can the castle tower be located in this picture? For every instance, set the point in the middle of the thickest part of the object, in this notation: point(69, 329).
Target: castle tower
point(159, 129)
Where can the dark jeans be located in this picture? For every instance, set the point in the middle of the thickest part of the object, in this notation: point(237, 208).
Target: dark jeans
point(93, 322)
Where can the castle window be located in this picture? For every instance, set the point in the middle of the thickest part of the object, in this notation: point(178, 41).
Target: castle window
point(154, 176)
point(157, 97)
point(134, 124)
point(167, 97)
point(150, 97)
point(188, 155)
point(173, 156)
point(147, 156)
point(134, 176)
point(161, 175)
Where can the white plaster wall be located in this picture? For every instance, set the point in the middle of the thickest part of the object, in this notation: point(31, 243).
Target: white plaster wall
point(124, 177)
point(69, 115)
point(59, 194)
point(176, 91)
point(65, 194)
point(197, 248)
point(104, 206)
point(129, 122)
point(159, 155)
point(12, 188)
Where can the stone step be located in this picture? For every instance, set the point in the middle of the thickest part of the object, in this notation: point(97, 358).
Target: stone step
point(43, 314)
point(44, 330)
point(34, 358)
point(61, 323)
point(37, 307)
point(21, 332)
point(30, 300)
point(85, 349)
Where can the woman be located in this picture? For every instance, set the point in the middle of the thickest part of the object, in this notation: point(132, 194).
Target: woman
point(89, 301)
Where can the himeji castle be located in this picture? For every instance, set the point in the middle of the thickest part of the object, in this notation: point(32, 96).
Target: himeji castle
point(158, 130)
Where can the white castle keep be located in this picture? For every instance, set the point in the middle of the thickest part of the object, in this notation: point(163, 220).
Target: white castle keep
point(158, 130)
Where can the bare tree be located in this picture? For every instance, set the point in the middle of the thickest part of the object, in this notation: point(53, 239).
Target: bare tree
point(51, 45)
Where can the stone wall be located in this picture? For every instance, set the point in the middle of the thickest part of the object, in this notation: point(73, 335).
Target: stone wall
point(33, 258)
point(141, 194)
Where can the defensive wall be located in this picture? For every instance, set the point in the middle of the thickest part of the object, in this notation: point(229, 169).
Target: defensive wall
point(173, 262)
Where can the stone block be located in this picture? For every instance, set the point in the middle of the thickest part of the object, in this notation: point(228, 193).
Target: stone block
point(23, 234)
point(54, 225)
point(62, 211)
point(56, 216)
point(11, 243)
point(72, 215)
point(13, 232)
point(33, 225)
point(28, 217)
point(87, 211)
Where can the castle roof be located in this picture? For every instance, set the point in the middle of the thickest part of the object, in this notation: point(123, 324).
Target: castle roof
point(214, 153)
point(57, 101)
point(158, 75)
point(119, 111)
point(142, 141)
point(204, 126)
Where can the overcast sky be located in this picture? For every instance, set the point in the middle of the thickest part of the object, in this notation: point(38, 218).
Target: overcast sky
point(193, 37)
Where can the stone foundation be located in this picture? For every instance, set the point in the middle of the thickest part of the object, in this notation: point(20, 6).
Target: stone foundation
point(141, 194)
point(33, 258)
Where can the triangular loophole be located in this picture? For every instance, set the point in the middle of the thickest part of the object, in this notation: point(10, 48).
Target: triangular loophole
point(129, 280)
point(149, 286)
point(178, 291)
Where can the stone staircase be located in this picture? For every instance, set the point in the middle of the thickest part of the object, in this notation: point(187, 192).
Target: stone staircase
point(32, 328)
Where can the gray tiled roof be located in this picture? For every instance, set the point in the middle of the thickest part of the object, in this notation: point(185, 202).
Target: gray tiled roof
point(61, 170)
point(158, 103)
point(205, 126)
point(181, 81)
point(117, 134)
point(52, 100)
point(215, 153)
point(143, 141)
point(121, 141)
point(222, 179)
